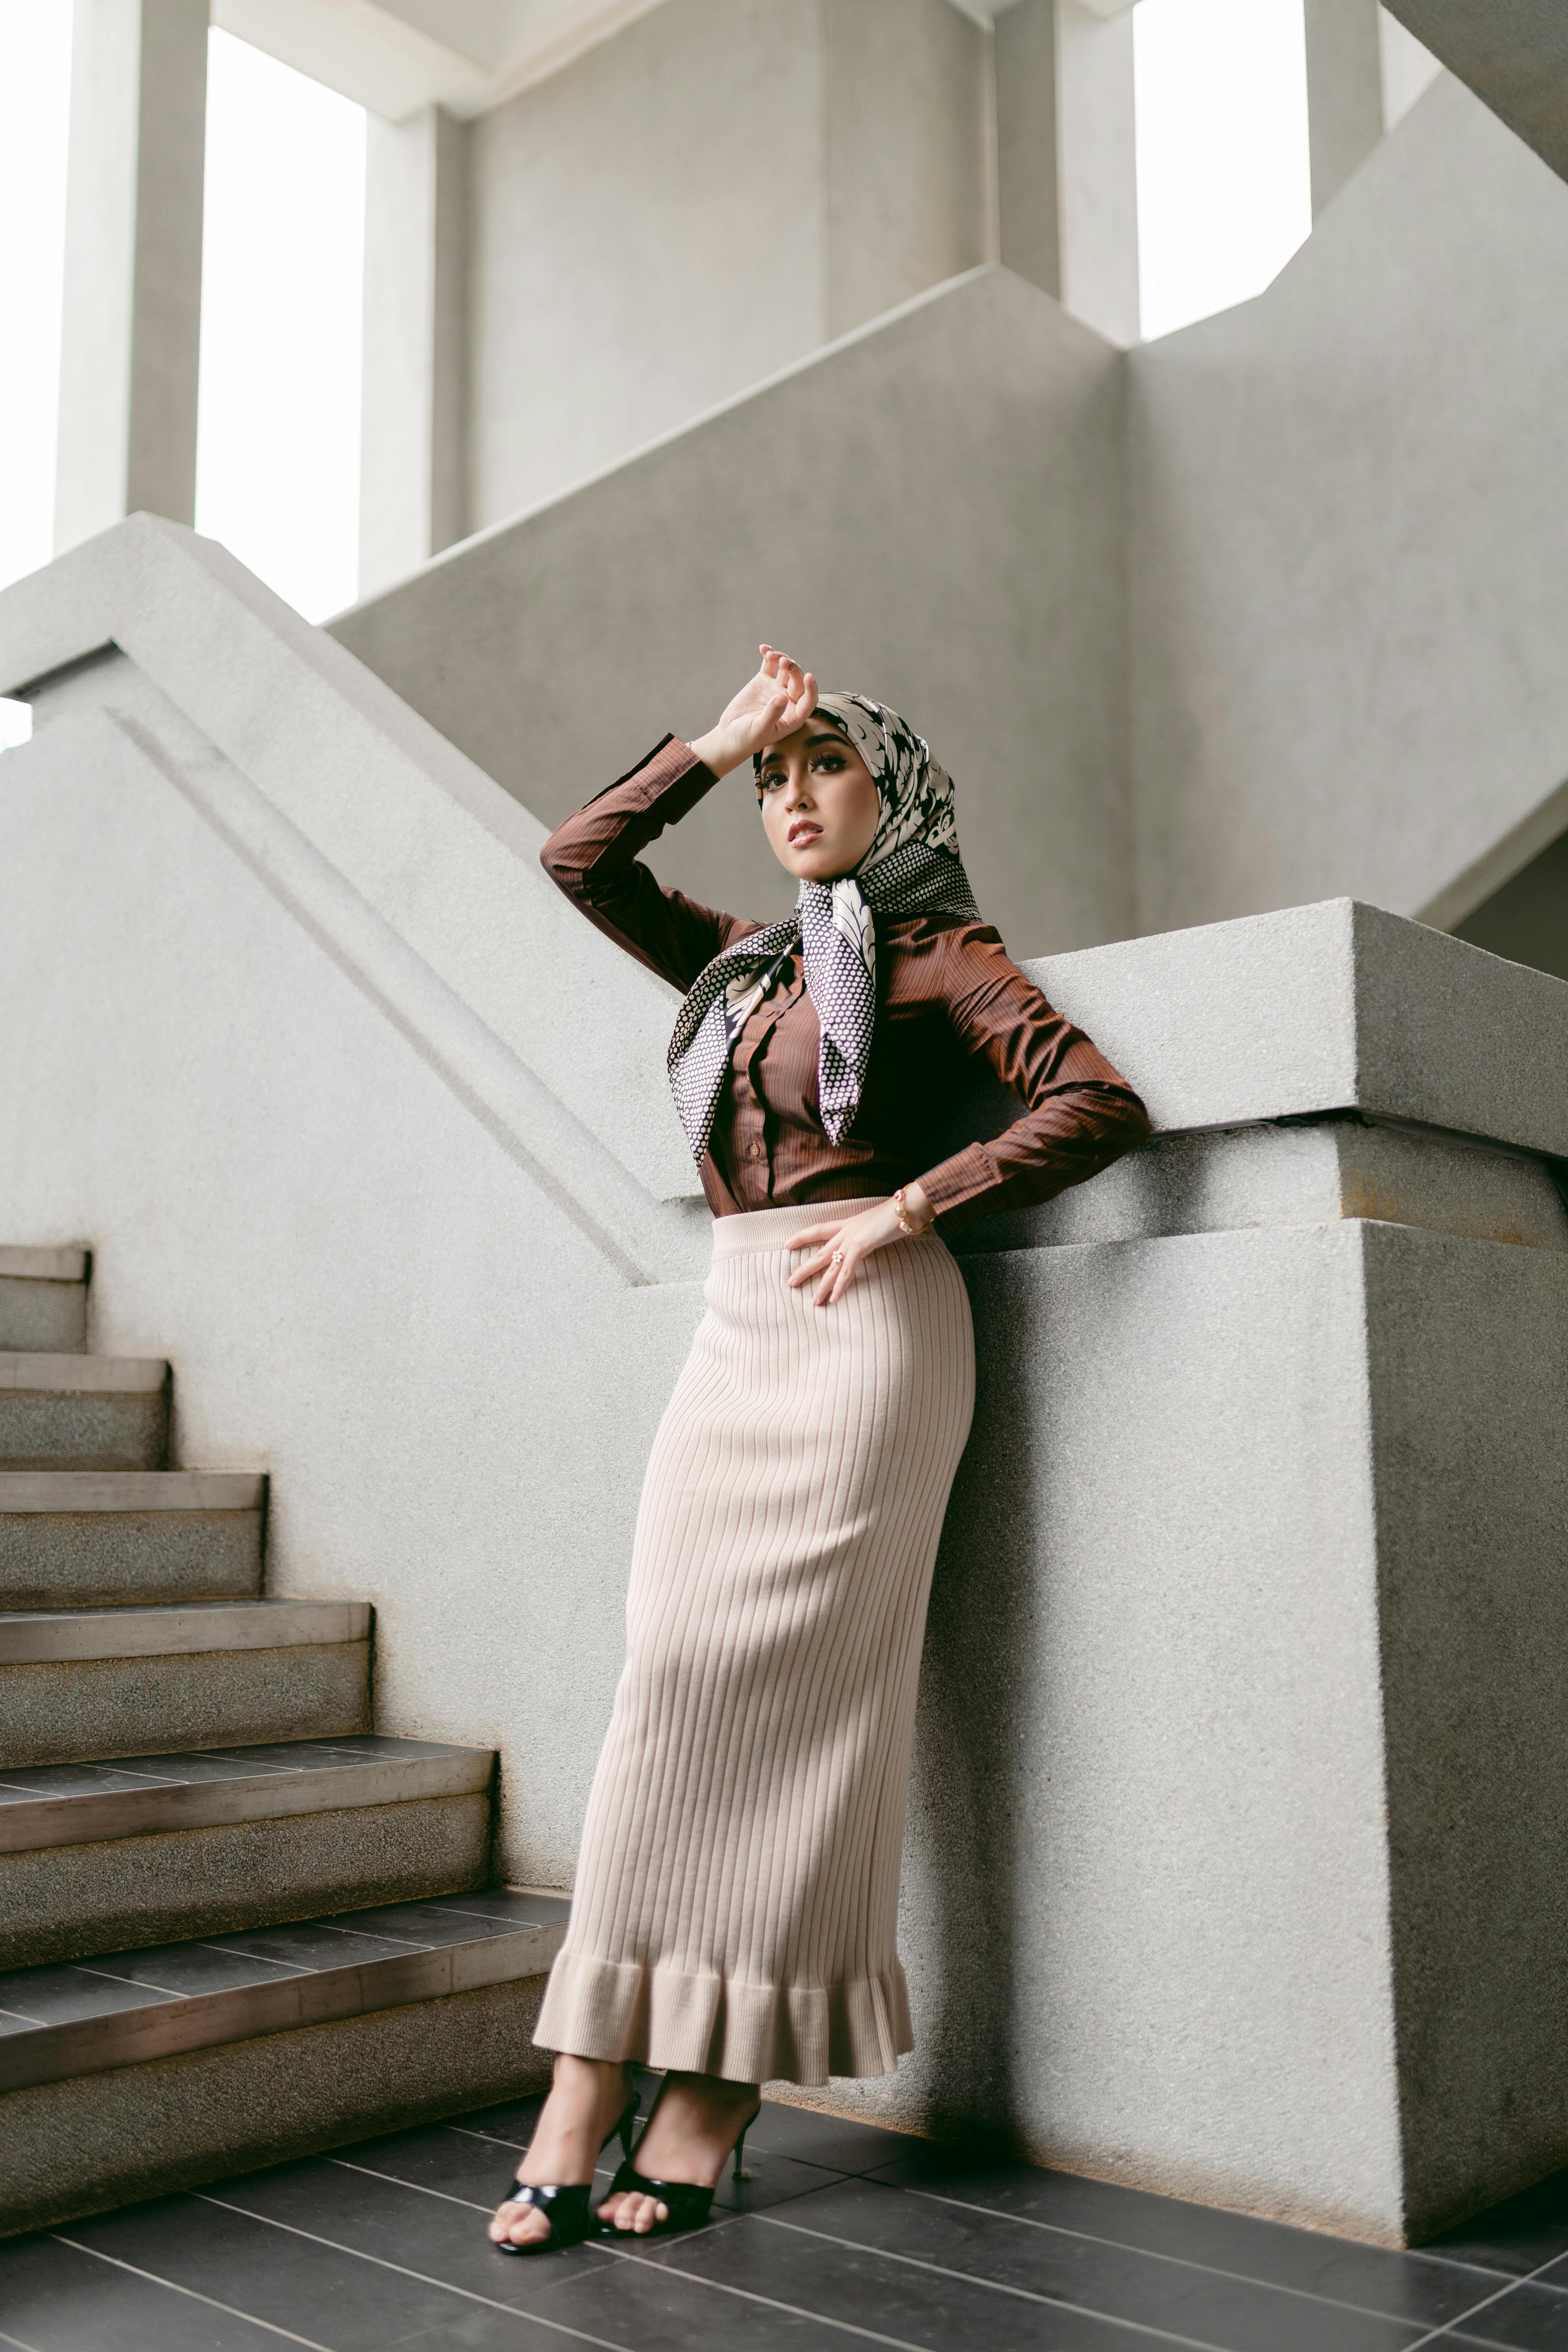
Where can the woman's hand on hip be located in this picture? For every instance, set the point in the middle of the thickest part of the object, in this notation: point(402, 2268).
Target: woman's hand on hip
point(781, 697)
point(840, 1245)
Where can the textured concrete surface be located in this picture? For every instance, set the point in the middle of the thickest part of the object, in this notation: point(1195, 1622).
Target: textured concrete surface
point(74, 2148)
point(1468, 1376)
point(65, 1713)
point(964, 459)
point(615, 298)
point(83, 1432)
point(1279, 1175)
point(1349, 591)
point(64, 1559)
point(64, 1901)
point(1145, 1910)
point(48, 1314)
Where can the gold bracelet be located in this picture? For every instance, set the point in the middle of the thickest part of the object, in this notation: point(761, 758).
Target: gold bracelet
point(911, 1232)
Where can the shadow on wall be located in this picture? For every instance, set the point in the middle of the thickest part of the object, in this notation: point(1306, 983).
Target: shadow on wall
point(965, 1791)
point(1526, 920)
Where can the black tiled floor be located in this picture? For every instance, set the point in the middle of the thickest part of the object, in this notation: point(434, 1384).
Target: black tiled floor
point(844, 2235)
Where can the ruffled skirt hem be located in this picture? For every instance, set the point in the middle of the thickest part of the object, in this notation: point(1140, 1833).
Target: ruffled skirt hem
point(716, 2025)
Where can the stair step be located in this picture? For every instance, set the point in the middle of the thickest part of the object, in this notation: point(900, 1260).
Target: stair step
point(158, 2069)
point(43, 1298)
point(85, 1538)
point(127, 2007)
point(82, 1685)
point(145, 1849)
point(60, 1412)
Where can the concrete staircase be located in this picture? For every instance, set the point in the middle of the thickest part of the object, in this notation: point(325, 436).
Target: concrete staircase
point(235, 1924)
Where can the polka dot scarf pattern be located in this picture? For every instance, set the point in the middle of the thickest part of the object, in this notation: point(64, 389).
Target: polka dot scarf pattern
point(912, 867)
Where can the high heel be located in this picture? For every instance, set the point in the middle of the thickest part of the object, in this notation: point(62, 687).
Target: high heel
point(566, 2207)
point(687, 2204)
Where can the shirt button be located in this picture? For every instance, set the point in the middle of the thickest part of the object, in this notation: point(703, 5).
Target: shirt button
point(753, 1151)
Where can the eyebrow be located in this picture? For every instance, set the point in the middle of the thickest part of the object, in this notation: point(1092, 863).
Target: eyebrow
point(823, 735)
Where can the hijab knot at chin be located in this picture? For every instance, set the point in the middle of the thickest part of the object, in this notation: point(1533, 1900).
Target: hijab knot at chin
point(912, 867)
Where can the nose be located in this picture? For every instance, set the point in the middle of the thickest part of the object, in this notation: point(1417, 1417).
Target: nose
point(798, 792)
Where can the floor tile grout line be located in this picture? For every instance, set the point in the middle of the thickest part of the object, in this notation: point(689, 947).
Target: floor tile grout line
point(420, 2188)
point(513, 2311)
point(1475, 2310)
point(1185, 2262)
point(195, 2297)
point(998, 2286)
point(749, 2295)
point(196, 1945)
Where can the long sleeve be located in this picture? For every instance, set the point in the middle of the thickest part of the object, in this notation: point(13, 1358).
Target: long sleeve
point(593, 857)
point(1082, 1113)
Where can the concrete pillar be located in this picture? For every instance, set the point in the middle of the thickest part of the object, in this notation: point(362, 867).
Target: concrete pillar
point(132, 326)
point(1028, 205)
point(1345, 90)
point(1066, 160)
point(414, 463)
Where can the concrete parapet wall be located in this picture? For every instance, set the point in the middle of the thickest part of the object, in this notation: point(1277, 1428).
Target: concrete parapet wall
point(1349, 586)
point(1234, 1863)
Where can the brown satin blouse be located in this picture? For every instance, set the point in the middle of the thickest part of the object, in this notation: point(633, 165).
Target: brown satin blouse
point(945, 992)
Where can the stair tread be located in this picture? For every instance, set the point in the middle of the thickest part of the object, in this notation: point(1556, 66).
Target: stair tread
point(132, 1490)
point(48, 1805)
point(19, 1264)
point(64, 2020)
point(169, 1629)
point(39, 1373)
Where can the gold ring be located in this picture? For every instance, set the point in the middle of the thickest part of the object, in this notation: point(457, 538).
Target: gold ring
point(837, 1259)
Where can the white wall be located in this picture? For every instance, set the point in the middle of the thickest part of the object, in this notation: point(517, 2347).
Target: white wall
point(685, 208)
point(1350, 579)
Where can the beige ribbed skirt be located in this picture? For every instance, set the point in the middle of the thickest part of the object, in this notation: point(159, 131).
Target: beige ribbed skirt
point(736, 1904)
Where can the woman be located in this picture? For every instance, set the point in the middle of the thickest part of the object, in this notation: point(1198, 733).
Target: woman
point(734, 1914)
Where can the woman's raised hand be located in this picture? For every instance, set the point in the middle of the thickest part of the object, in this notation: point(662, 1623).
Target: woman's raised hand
point(781, 697)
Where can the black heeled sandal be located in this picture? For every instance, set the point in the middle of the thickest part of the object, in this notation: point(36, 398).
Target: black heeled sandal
point(687, 2205)
point(566, 2207)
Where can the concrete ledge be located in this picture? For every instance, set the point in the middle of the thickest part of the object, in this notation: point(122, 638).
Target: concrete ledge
point(50, 1375)
point(1337, 1006)
point(31, 1637)
point(75, 2148)
point(55, 2054)
point(277, 1789)
point(18, 1265)
point(132, 1490)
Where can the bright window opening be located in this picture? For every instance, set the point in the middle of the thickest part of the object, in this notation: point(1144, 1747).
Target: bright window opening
point(282, 291)
point(1223, 168)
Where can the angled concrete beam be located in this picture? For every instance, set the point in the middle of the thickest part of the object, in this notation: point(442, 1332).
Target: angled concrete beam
point(1345, 90)
point(1066, 159)
point(1512, 53)
point(132, 327)
point(413, 467)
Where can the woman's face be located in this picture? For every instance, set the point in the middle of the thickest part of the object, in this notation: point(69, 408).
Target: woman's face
point(820, 807)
